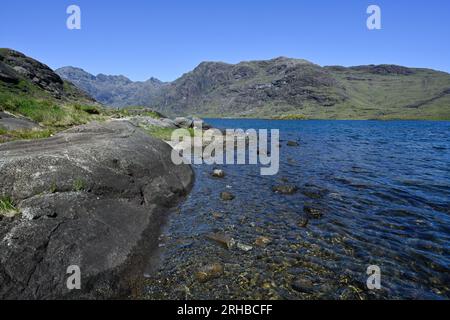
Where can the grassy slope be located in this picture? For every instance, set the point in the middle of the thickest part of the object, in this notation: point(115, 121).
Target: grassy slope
point(360, 94)
point(29, 101)
point(393, 96)
point(381, 97)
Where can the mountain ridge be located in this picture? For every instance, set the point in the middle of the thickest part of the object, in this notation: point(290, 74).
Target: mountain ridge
point(113, 90)
point(282, 88)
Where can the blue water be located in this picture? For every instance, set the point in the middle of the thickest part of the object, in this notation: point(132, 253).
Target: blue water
point(383, 189)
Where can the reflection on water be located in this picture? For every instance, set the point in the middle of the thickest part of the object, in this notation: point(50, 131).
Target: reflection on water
point(380, 192)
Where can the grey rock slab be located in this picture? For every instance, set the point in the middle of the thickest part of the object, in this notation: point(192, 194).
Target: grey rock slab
point(14, 124)
point(94, 196)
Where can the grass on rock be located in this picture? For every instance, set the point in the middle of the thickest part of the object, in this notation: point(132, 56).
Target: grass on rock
point(7, 207)
point(79, 185)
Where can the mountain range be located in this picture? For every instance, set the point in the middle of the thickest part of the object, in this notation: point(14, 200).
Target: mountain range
point(115, 91)
point(277, 88)
point(281, 88)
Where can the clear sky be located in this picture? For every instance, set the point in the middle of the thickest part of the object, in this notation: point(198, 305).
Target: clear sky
point(166, 38)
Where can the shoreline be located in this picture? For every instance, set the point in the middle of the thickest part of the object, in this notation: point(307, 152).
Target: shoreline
point(263, 244)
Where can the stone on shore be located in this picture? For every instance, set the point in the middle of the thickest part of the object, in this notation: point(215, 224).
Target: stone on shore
point(183, 122)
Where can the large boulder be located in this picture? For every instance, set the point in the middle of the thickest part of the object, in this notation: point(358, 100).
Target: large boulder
point(191, 122)
point(183, 122)
point(93, 196)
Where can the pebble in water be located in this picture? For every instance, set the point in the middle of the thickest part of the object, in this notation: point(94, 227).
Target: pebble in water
point(217, 215)
point(244, 247)
point(263, 241)
point(209, 272)
point(303, 223)
point(303, 285)
point(227, 196)
point(222, 239)
point(217, 173)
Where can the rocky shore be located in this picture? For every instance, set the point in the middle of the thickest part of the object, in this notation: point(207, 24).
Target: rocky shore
point(93, 196)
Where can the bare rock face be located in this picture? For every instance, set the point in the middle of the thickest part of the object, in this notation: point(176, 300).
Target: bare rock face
point(12, 124)
point(93, 196)
point(149, 121)
point(7, 74)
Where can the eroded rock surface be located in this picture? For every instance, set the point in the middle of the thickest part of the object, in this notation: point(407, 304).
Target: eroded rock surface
point(93, 196)
point(13, 124)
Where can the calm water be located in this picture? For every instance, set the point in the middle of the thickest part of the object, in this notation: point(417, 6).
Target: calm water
point(383, 189)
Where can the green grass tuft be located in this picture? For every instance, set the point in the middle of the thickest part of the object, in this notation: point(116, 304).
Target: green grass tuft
point(88, 109)
point(7, 207)
point(53, 187)
point(163, 133)
point(141, 111)
point(79, 185)
point(32, 134)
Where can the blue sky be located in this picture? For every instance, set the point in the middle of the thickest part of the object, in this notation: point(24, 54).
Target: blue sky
point(166, 38)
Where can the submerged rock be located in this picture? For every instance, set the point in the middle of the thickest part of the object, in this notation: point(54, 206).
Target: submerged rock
point(303, 223)
point(222, 239)
point(209, 272)
point(217, 215)
point(244, 247)
point(313, 192)
point(285, 189)
point(312, 212)
point(303, 285)
point(263, 241)
point(227, 196)
point(93, 196)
